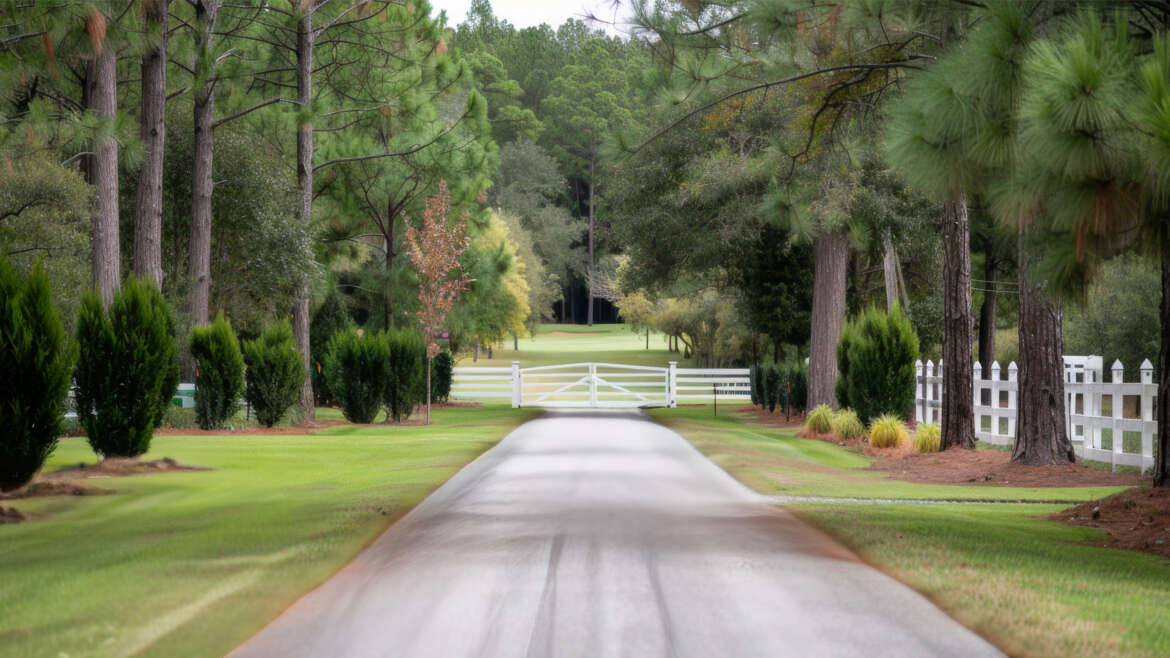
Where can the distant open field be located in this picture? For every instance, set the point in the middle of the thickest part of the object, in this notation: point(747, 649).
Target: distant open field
point(570, 343)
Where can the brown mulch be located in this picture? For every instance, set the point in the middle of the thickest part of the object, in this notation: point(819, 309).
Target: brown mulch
point(251, 431)
point(1136, 519)
point(773, 420)
point(47, 488)
point(69, 481)
point(994, 468)
point(10, 515)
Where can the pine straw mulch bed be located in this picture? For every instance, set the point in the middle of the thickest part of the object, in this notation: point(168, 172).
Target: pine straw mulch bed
point(995, 468)
point(1136, 519)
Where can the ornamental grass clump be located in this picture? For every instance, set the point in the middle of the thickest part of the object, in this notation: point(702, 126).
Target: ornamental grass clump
point(820, 420)
point(927, 438)
point(888, 431)
point(219, 368)
point(36, 361)
point(847, 425)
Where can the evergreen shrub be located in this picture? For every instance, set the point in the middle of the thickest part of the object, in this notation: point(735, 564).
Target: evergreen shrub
point(36, 362)
point(406, 375)
point(775, 387)
point(124, 368)
point(275, 373)
point(820, 420)
point(846, 425)
point(219, 372)
point(356, 369)
point(798, 380)
point(875, 361)
point(888, 431)
point(754, 381)
point(442, 369)
point(329, 319)
point(927, 438)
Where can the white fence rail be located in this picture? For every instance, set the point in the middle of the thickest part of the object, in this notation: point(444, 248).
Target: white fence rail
point(1109, 422)
point(600, 385)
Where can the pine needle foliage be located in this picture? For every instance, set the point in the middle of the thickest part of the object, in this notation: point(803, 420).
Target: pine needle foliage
point(274, 375)
point(124, 368)
point(219, 378)
point(356, 368)
point(36, 360)
point(877, 363)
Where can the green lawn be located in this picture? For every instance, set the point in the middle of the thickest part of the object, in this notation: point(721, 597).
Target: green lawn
point(570, 343)
point(194, 563)
point(776, 462)
point(1033, 586)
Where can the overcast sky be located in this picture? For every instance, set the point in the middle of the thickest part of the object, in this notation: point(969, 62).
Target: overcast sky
point(525, 13)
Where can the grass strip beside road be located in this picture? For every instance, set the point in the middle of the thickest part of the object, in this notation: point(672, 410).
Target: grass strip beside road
point(194, 563)
point(1033, 586)
point(776, 462)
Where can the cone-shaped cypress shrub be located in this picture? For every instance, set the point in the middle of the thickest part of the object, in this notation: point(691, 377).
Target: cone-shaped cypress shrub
point(356, 367)
point(329, 319)
point(798, 379)
point(274, 374)
point(442, 368)
point(219, 378)
point(754, 380)
point(124, 364)
point(775, 387)
point(170, 382)
point(841, 386)
point(878, 374)
point(405, 383)
point(36, 362)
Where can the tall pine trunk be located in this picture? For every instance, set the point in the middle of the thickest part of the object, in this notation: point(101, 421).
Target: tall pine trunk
point(1041, 435)
point(987, 318)
point(202, 187)
point(301, 309)
point(388, 292)
point(103, 96)
point(591, 186)
point(890, 272)
point(1162, 413)
point(958, 407)
point(830, 270)
point(152, 129)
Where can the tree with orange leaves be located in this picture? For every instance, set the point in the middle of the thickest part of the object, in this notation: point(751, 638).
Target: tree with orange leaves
point(435, 252)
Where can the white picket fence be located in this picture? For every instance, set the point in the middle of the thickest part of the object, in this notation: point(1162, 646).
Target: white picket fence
point(1109, 422)
point(600, 385)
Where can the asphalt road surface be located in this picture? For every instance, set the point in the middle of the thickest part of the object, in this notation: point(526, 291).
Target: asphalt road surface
point(599, 534)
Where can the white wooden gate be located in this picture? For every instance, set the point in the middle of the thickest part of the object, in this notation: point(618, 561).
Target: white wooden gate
point(600, 385)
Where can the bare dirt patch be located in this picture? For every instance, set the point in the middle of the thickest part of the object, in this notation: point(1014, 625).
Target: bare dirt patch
point(10, 515)
point(1136, 519)
point(119, 467)
point(993, 468)
point(54, 487)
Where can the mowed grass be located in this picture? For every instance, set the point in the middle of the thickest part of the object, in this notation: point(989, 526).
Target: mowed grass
point(775, 462)
point(555, 344)
point(1033, 586)
point(194, 563)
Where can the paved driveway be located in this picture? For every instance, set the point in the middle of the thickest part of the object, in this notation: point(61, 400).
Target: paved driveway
point(597, 534)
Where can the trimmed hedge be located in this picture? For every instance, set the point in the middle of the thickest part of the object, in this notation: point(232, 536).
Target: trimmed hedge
point(442, 367)
point(219, 373)
point(406, 374)
point(275, 373)
point(124, 368)
point(875, 362)
point(356, 369)
point(36, 360)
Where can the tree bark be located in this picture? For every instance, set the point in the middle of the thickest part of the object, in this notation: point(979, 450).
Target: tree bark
point(388, 291)
point(202, 187)
point(830, 270)
point(1041, 435)
point(958, 407)
point(987, 319)
point(890, 273)
point(103, 97)
point(1162, 413)
point(152, 129)
point(590, 277)
point(305, 38)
